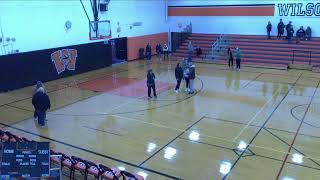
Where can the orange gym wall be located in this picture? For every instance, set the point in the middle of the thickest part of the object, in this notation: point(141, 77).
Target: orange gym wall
point(135, 43)
point(222, 11)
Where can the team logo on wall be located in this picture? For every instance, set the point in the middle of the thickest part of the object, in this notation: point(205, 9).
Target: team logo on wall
point(65, 59)
point(299, 9)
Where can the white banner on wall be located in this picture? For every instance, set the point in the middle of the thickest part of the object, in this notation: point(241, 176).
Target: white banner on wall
point(299, 9)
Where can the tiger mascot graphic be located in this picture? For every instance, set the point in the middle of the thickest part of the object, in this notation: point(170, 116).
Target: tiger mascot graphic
point(64, 59)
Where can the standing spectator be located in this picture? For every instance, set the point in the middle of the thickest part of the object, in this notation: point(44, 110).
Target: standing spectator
point(41, 103)
point(179, 75)
point(290, 33)
point(238, 58)
point(159, 50)
point(39, 84)
point(165, 52)
point(288, 27)
point(280, 29)
point(148, 51)
point(184, 64)
point(190, 51)
point(308, 33)
point(151, 83)
point(186, 73)
point(269, 28)
point(230, 58)
point(300, 35)
point(198, 51)
point(192, 76)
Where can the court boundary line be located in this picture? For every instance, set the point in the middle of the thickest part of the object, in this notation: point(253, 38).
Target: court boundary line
point(285, 75)
point(266, 121)
point(285, 142)
point(296, 118)
point(58, 89)
point(144, 122)
point(254, 79)
point(205, 135)
point(304, 166)
point(256, 115)
point(171, 141)
point(257, 126)
point(258, 155)
point(95, 129)
point(296, 76)
point(209, 144)
point(296, 134)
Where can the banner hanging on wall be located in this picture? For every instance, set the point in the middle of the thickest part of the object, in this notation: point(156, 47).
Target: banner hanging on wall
point(305, 9)
point(283, 9)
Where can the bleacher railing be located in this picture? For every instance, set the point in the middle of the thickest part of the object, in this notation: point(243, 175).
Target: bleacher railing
point(308, 54)
point(217, 48)
point(56, 171)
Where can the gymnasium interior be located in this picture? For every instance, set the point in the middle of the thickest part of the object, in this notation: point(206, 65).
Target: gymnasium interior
point(257, 122)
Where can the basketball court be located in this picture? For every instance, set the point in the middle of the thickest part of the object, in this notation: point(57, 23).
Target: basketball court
point(253, 124)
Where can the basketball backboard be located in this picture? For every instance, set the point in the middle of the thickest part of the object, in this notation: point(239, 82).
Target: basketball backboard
point(99, 30)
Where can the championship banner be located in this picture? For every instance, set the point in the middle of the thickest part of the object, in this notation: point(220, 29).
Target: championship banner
point(302, 9)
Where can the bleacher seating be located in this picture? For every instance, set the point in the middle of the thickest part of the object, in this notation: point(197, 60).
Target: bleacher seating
point(258, 50)
point(73, 163)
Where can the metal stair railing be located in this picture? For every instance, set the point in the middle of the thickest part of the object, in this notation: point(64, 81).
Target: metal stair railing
point(217, 48)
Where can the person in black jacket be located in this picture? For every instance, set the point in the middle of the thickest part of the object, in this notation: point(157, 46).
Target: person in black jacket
point(192, 77)
point(179, 75)
point(148, 51)
point(269, 28)
point(159, 50)
point(230, 58)
point(308, 33)
point(301, 33)
point(280, 29)
point(41, 103)
point(290, 33)
point(288, 28)
point(151, 83)
point(38, 85)
point(198, 51)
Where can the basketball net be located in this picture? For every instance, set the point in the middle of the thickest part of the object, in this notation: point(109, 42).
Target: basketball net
point(66, 33)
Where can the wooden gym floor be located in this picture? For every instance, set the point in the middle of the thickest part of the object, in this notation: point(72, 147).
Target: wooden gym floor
point(104, 116)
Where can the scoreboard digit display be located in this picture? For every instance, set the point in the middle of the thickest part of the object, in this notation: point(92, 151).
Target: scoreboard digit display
point(25, 159)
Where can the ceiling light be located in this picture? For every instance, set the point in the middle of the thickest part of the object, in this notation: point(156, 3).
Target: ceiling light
point(297, 158)
point(169, 152)
point(225, 167)
point(194, 136)
point(242, 146)
point(151, 147)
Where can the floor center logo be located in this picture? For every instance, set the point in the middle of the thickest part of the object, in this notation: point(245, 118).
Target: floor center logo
point(65, 58)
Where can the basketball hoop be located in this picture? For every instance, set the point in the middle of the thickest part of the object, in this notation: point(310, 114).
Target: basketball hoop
point(99, 30)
